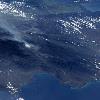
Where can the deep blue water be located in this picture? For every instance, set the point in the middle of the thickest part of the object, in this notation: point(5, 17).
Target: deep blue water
point(46, 87)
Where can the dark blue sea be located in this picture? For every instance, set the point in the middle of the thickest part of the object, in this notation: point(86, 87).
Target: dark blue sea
point(46, 87)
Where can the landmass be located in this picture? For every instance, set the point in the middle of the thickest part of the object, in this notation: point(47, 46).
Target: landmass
point(65, 45)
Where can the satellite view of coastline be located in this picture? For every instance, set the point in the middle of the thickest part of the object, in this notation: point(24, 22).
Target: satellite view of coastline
point(49, 49)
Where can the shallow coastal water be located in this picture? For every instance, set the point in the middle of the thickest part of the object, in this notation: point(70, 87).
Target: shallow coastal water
point(45, 87)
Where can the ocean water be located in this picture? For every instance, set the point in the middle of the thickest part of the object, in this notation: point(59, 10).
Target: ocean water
point(46, 87)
